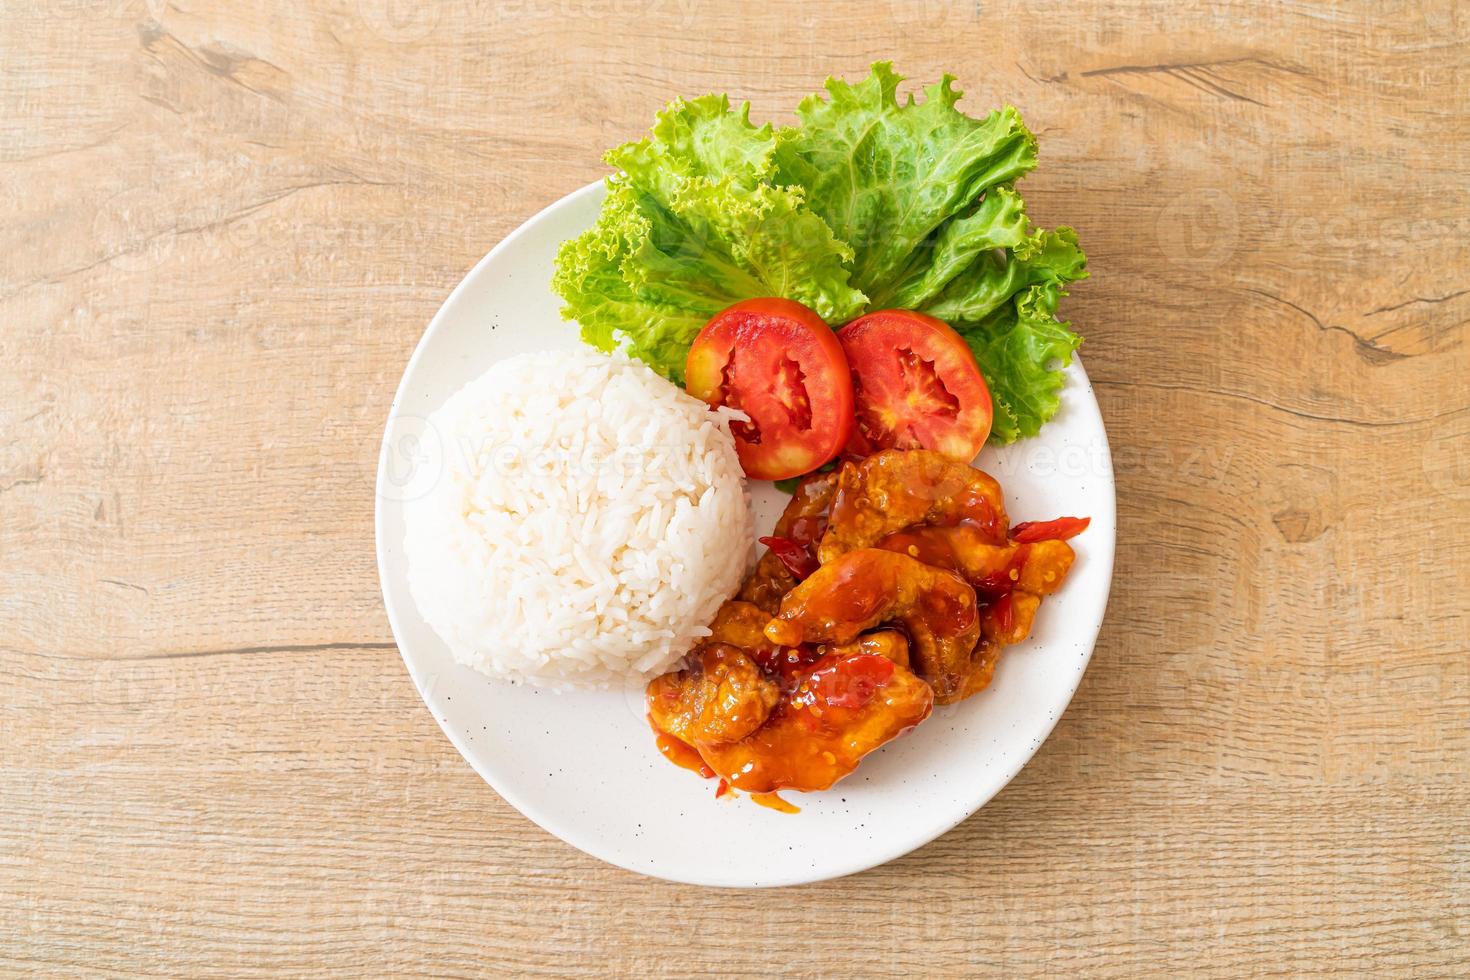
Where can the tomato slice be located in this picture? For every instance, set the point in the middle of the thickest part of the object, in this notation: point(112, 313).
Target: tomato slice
point(776, 361)
point(916, 384)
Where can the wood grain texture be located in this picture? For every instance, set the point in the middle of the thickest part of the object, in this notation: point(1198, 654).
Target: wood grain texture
point(224, 228)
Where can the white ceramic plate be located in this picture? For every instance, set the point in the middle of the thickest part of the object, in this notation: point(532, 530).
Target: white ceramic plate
point(584, 765)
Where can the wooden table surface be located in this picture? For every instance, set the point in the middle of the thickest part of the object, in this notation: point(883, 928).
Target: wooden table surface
point(226, 225)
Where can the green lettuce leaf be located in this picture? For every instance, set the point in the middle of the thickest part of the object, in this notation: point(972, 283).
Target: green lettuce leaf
point(925, 195)
point(700, 137)
point(999, 221)
point(1045, 258)
point(690, 226)
point(868, 202)
point(885, 175)
point(1021, 348)
point(589, 278)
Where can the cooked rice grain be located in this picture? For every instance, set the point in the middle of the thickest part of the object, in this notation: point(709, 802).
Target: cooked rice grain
point(588, 520)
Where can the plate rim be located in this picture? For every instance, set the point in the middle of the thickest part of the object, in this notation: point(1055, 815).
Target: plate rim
point(548, 821)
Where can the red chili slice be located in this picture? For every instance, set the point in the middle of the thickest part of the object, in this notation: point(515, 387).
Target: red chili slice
point(1003, 581)
point(808, 530)
point(1029, 532)
point(1005, 613)
point(794, 555)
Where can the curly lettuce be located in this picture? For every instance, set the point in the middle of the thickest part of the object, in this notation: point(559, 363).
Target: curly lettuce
point(691, 224)
point(868, 202)
point(886, 175)
point(1016, 347)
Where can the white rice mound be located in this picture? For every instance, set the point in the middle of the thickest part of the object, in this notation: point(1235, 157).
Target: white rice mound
point(589, 520)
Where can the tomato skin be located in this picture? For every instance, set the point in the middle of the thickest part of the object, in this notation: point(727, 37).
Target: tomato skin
point(916, 385)
point(778, 362)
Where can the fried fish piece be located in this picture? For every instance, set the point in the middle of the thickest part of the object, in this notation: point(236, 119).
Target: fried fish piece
point(895, 489)
point(1009, 581)
point(803, 725)
point(804, 520)
point(888, 644)
point(1037, 568)
point(863, 588)
point(740, 624)
point(841, 709)
point(722, 696)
